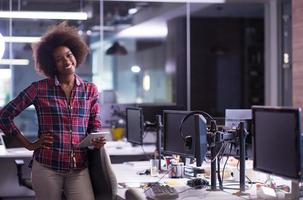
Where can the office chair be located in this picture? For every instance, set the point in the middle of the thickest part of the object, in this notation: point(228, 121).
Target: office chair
point(103, 179)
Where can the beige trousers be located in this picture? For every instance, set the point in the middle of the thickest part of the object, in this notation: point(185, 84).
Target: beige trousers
point(49, 184)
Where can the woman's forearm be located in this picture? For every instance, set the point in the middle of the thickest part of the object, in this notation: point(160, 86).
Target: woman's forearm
point(24, 141)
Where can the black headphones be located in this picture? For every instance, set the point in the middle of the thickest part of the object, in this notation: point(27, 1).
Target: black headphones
point(197, 183)
point(188, 140)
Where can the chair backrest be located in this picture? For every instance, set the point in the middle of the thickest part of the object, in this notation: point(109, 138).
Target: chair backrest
point(103, 179)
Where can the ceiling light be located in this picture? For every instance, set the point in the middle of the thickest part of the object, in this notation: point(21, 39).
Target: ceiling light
point(14, 62)
point(18, 39)
point(2, 46)
point(43, 15)
point(132, 11)
point(146, 82)
point(145, 30)
point(116, 49)
point(135, 69)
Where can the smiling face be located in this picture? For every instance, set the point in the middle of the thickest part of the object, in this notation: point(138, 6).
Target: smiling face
point(65, 61)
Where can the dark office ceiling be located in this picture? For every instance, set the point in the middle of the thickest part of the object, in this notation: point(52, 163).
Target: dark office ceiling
point(116, 12)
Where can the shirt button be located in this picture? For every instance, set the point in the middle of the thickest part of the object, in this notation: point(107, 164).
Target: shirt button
point(70, 131)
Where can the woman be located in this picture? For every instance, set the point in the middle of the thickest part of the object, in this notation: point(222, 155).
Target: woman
point(67, 108)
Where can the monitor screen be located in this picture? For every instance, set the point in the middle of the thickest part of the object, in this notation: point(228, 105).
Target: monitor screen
point(173, 142)
point(134, 125)
point(276, 140)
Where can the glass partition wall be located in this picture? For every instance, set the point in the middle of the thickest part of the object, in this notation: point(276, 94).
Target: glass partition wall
point(177, 54)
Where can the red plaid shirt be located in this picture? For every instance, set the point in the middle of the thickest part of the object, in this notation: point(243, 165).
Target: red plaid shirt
point(69, 123)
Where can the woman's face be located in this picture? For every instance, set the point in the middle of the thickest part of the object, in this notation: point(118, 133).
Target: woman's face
point(65, 60)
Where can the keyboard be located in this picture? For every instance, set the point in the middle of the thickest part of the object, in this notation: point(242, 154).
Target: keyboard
point(161, 192)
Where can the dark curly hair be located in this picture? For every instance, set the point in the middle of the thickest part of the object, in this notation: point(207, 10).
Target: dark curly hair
point(58, 35)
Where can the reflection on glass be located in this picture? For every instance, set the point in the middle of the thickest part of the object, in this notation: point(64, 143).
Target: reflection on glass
point(142, 28)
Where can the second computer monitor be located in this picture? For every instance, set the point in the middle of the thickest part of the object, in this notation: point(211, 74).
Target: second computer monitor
point(134, 125)
point(276, 139)
point(173, 141)
point(192, 141)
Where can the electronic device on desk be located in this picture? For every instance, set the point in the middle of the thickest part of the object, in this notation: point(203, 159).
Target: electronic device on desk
point(277, 131)
point(197, 183)
point(191, 142)
point(161, 192)
point(134, 125)
point(10, 142)
point(277, 142)
point(232, 119)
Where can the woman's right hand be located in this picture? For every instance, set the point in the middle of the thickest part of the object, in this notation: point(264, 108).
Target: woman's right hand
point(45, 141)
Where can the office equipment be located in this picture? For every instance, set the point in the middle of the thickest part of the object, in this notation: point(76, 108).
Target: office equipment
point(133, 181)
point(234, 116)
point(161, 192)
point(87, 141)
point(200, 138)
point(277, 141)
point(134, 125)
point(197, 183)
point(185, 133)
point(174, 142)
point(10, 142)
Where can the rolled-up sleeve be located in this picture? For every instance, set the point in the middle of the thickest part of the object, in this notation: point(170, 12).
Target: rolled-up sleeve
point(14, 107)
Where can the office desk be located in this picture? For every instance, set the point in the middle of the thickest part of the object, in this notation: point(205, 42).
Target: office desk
point(132, 179)
point(119, 151)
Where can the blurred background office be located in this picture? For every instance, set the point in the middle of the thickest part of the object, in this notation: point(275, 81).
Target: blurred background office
point(202, 55)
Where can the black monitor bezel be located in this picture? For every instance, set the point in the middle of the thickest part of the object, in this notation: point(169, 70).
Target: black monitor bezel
point(296, 112)
point(169, 152)
point(141, 126)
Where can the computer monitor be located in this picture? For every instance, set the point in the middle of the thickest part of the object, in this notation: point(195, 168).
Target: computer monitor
point(194, 126)
point(173, 141)
point(276, 141)
point(200, 139)
point(234, 116)
point(134, 125)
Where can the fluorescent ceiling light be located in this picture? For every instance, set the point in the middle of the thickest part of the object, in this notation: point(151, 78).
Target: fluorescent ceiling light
point(146, 82)
point(43, 15)
point(135, 69)
point(14, 62)
point(145, 30)
point(18, 39)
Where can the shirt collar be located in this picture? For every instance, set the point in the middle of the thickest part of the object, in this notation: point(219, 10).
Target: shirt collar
point(79, 81)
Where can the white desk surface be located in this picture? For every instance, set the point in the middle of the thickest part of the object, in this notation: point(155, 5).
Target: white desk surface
point(127, 174)
point(113, 148)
